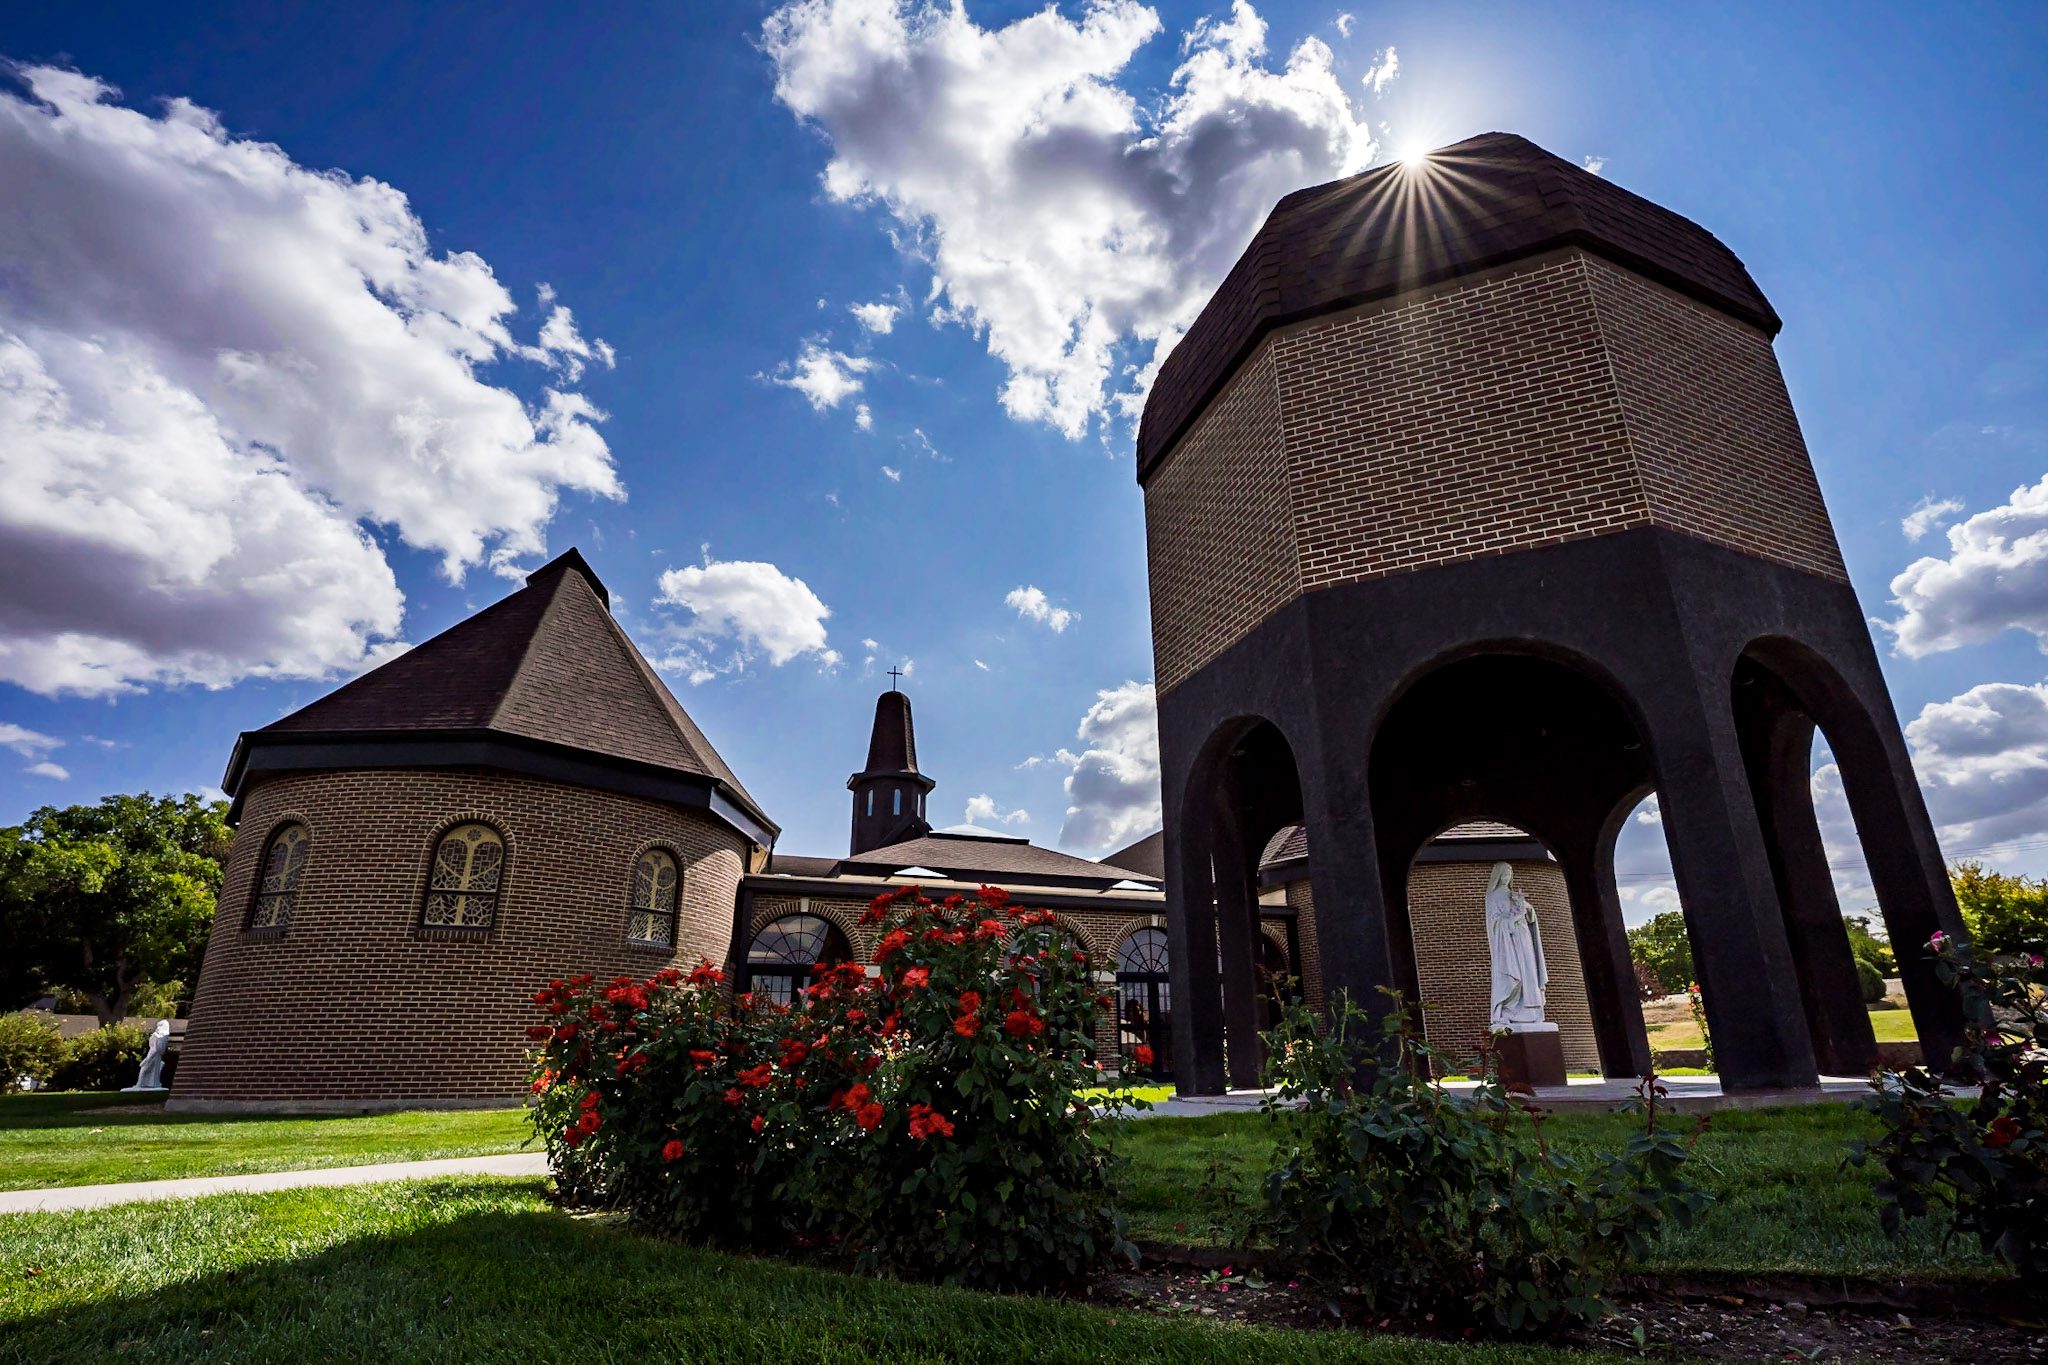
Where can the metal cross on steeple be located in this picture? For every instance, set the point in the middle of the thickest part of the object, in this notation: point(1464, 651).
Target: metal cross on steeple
point(894, 674)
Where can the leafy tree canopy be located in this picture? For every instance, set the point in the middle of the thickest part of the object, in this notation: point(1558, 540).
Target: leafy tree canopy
point(1661, 948)
point(102, 899)
point(2004, 912)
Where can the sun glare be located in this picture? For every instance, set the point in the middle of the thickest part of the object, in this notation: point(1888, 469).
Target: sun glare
point(1414, 154)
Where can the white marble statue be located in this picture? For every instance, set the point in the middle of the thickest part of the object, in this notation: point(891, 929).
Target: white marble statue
point(1520, 976)
point(152, 1077)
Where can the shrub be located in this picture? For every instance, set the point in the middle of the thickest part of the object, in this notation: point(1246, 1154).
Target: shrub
point(2003, 912)
point(1662, 946)
point(1870, 980)
point(924, 1120)
point(1454, 1206)
point(1868, 947)
point(105, 1059)
point(1982, 1165)
point(1695, 1002)
point(30, 1048)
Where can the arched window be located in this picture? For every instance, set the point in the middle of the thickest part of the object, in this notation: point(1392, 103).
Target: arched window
point(277, 882)
point(895, 800)
point(651, 917)
point(784, 955)
point(467, 877)
point(871, 800)
point(1144, 998)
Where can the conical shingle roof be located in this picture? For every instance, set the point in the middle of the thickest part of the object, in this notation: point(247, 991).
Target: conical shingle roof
point(1473, 205)
point(548, 664)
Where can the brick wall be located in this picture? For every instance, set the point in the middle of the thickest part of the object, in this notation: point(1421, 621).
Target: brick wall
point(1549, 400)
point(1711, 425)
point(355, 1005)
point(1219, 536)
point(1453, 965)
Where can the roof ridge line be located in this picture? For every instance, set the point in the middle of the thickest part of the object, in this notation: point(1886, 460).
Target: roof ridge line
point(518, 668)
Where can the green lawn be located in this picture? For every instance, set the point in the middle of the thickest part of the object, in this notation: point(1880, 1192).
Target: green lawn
point(487, 1270)
point(1783, 1201)
point(1890, 1024)
point(70, 1139)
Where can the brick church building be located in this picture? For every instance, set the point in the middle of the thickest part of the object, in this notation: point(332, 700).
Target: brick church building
point(1476, 510)
point(521, 797)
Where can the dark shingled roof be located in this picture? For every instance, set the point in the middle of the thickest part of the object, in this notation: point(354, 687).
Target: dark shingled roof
point(1476, 204)
point(547, 663)
point(1148, 856)
point(967, 858)
point(892, 747)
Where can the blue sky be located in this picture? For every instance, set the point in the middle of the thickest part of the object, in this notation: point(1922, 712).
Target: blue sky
point(663, 171)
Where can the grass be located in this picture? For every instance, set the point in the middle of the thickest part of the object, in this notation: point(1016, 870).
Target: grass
point(73, 1139)
point(1783, 1201)
point(1890, 1023)
point(487, 1270)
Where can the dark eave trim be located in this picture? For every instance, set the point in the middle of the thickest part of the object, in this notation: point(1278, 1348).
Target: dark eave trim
point(1030, 897)
point(1285, 870)
point(259, 752)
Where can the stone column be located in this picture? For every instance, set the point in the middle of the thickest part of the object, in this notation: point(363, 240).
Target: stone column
point(1737, 930)
point(1618, 1028)
point(1191, 954)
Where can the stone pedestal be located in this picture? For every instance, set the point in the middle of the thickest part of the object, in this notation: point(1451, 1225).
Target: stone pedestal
point(1530, 1055)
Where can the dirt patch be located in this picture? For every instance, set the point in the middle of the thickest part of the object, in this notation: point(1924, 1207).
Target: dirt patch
point(1688, 1322)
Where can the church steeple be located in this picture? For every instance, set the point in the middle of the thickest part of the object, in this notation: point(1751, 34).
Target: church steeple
point(889, 794)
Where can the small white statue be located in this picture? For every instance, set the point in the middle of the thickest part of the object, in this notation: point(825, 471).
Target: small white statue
point(1520, 976)
point(152, 1077)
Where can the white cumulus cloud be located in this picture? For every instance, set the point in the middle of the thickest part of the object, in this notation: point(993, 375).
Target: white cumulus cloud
point(983, 810)
point(863, 417)
point(1993, 579)
point(1386, 65)
point(741, 610)
point(878, 317)
point(1929, 514)
point(825, 377)
point(48, 769)
point(1113, 788)
point(1073, 225)
point(1033, 605)
point(26, 742)
point(216, 367)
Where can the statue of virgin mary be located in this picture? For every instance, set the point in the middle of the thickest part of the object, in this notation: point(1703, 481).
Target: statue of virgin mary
point(1520, 975)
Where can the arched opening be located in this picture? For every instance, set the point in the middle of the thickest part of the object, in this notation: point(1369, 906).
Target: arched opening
point(1786, 700)
point(1245, 789)
point(1144, 999)
point(1447, 907)
point(1548, 749)
point(787, 952)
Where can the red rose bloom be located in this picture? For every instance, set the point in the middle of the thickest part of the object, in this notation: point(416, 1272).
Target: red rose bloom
point(540, 1033)
point(734, 1097)
point(1023, 1024)
point(858, 1096)
point(702, 1058)
point(572, 1136)
point(926, 1122)
point(1142, 1054)
point(970, 1001)
point(2002, 1131)
point(672, 1150)
point(759, 1123)
point(917, 978)
point(869, 1117)
point(756, 1077)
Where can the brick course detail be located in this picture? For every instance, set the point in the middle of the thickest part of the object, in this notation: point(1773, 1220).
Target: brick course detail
point(354, 1005)
point(1554, 399)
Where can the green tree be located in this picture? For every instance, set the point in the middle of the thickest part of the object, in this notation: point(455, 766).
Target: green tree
point(1662, 948)
point(2003, 912)
point(103, 899)
point(1868, 947)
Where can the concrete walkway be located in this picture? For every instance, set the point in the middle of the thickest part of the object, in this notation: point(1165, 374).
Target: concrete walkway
point(1685, 1094)
point(140, 1191)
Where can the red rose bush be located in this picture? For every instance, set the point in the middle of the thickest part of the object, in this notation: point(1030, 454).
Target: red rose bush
point(921, 1114)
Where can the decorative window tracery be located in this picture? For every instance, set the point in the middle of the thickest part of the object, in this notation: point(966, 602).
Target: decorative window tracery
point(657, 883)
point(467, 877)
point(277, 885)
point(784, 955)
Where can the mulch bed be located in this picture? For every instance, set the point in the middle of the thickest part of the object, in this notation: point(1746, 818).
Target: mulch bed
point(1753, 1318)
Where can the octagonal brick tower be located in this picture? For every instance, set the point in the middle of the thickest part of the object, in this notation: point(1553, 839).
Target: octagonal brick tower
point(1475, 492)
